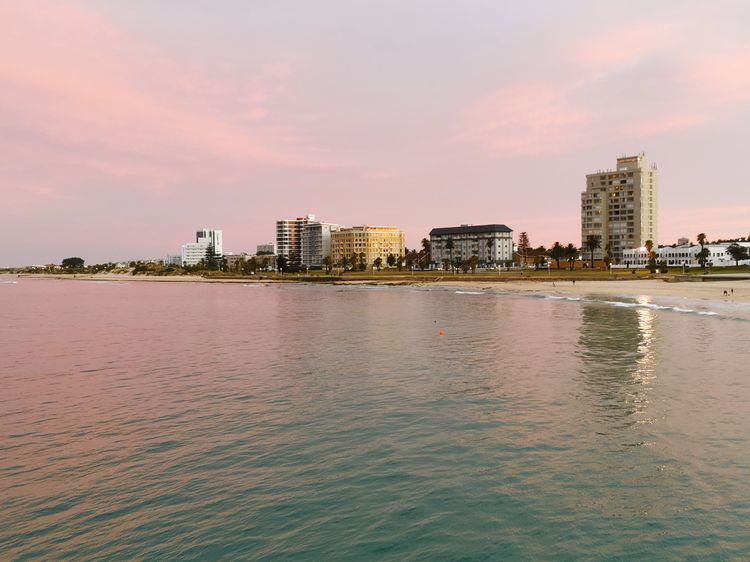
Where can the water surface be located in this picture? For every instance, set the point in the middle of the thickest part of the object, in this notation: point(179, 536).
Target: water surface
point(207, 421)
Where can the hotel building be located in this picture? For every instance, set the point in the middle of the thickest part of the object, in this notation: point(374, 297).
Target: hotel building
point(194, 252)
point(372, 241)
point(620, 206)
point(316, 243)
point(490, 243)
point(289, 237)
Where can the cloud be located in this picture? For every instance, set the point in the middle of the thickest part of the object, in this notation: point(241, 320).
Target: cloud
point(525, 118)
point(634, 81)
point(80, 89)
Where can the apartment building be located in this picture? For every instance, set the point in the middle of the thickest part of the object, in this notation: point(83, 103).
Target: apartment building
point(372, 241)
point(620, 206)
point(316, 243)
point(289, 237)
point(490, 243)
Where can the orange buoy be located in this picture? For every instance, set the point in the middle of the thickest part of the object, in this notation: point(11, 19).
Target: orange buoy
point(441, 333)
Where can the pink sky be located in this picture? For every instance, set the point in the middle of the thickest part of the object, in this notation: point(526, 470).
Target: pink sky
point(126, 126)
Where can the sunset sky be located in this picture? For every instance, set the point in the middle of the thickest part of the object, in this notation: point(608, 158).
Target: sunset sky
point(126, 126)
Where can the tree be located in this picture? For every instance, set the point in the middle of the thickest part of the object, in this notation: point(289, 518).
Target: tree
point(571, 252)
point(344, 262)
point(378, 263)
point(557, 253)
point(651, 256)
point(282, 262)
point(472, 263)
point(593, 243)
point(426, 248)
point(608, 255)
point(211, 261)
point(328, 263)
point(703, 255)
point(73, 263)
point(523, 245)
point(362, 261)
point(737, 252)
point(390, 260)
point(449, 247)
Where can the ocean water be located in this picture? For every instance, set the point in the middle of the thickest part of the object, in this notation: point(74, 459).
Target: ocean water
point(155, 421)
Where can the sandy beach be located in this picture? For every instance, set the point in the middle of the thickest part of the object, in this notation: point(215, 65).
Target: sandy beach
point(738, 290)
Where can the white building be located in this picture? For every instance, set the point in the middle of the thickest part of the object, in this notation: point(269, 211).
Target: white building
point(211, 238)
point(490, 243)
point(173, 259)
point(289, 237)
point(316, 243)
point(686, 254)
point(194, 252)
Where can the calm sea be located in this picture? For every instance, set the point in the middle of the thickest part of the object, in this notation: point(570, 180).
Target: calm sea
point(160, 421)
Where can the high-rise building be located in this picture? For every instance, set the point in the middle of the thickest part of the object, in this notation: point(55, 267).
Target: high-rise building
point(490, 243)
point(194, 252)
point(289, 237)
point(620, 207)
point(211, 238)
point(316, 243)
point(372, 241)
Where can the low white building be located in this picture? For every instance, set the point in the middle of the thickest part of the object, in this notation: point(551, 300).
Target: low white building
point(193, 253)
point(686, 254)
point(173, 259)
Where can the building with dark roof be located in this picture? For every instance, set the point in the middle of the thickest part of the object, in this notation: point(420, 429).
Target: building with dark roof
point(490, 243)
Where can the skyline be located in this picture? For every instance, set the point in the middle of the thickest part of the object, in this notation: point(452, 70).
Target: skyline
point(128, 126)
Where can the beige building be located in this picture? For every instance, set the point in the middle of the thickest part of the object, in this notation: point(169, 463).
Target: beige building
point(620, 206)
point(372, 241)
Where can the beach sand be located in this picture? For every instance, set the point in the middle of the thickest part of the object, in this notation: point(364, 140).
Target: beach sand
point(653, 288)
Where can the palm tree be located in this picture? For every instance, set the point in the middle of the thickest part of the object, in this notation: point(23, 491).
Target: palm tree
point(703, 254)
point(593, 243)
point(378, 263)
point(557, 253)
point(449, 247)
point(490, 245)
point(571, 252)
point(651, 255)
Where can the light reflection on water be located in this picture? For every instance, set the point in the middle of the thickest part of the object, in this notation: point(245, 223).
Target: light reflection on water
point(208, 421)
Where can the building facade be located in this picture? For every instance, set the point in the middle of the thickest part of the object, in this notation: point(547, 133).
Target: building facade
point(269, 248)
point(372, 241)
point(620, 207)
point(289, 237)
point(316, 243)
point(490, 243)
point(685, 254)
point(194, 252)
point(211, 237)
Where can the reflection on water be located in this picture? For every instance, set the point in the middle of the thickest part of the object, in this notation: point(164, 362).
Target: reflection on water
point(616, 345)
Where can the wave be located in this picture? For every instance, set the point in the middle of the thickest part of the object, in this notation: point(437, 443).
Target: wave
point(470, 293)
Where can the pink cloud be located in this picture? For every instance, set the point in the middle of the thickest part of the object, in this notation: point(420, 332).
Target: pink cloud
point(74, 86)
point(525, 118)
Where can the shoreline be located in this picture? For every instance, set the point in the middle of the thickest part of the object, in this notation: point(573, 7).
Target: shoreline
point(738, 290)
